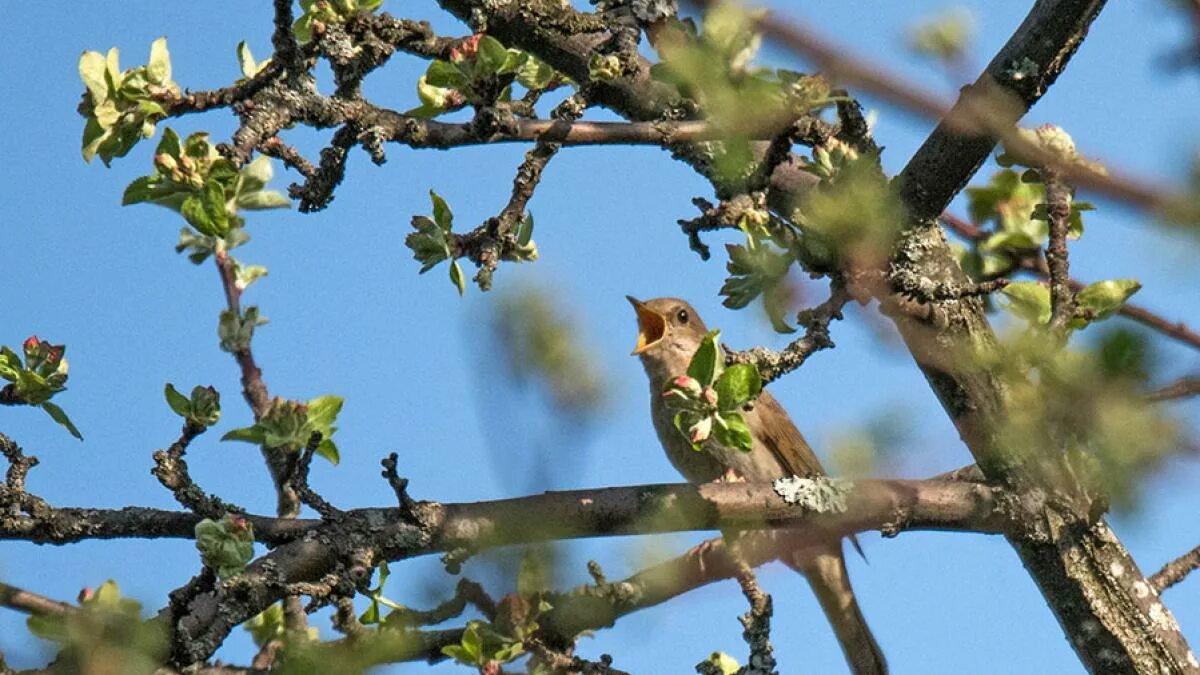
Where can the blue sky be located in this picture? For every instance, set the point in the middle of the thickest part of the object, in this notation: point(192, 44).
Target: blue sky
point(350, 316)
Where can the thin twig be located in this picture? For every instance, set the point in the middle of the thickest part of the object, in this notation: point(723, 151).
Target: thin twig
point(31, 603)
point(1175, 571)
point(1185, 387)
point(1058, 213)
point(774, 364)
point(171, 470)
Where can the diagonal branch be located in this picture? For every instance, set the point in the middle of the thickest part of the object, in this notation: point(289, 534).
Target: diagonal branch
point(1176, 570)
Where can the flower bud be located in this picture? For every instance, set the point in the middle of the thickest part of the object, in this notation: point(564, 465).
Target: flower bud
point(709, 395)
point(701, 430)
point(165, 163)
point(31, 343)
point(688, 384)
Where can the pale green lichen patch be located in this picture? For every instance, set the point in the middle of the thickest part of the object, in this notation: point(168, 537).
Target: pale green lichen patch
point(819, 494)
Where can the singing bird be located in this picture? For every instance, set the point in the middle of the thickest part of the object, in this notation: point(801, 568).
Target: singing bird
point(669, 333)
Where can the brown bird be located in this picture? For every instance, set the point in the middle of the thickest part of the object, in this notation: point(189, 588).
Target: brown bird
point(669, 333)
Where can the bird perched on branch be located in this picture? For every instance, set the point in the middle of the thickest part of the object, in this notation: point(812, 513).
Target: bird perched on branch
point(669, 335)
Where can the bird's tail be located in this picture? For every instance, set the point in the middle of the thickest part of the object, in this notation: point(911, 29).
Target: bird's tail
point(826, 573)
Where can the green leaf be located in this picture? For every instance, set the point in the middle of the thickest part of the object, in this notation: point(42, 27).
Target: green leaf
point(456, 277)
point(254, 434)
point(246, 60)
point(1103, 298)
point(265, 199)
point(158, 69)
point(732, 431)
point(267, 625)
point(725, 663)
point(445, 75)
point(58, 415)
point(329, 450)
point(256, 174)
point(140, 190)
point(303, 28)
point(92, 70)
point(177, 401)
point(441, 211)
point(194, 212)
point(491, 55)
point(534, 74)
point(213, 204)
point(205, 405)
point(707, 364)
point(525, 230)
point(169, 144)
point(1028, 300)
point(738, 385)
point(93, 136)
point(323, 411)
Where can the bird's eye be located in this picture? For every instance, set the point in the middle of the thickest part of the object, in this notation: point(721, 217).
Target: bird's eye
point(682, 316)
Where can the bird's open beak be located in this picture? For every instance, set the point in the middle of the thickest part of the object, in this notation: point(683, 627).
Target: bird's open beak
point(651, 325)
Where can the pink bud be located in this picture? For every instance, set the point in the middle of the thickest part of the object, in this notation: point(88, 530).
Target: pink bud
point(30, 343)
point(710, 395)
point(701, 430)
point(85, 594)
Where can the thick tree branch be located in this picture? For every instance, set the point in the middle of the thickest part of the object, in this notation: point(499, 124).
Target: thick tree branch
point(892, 505)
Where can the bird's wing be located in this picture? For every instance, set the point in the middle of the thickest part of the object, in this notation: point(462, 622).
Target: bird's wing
point(782, 439)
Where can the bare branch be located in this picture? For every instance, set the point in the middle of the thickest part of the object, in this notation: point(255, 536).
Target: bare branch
point(31, 603)
point(171, 470)
point(1058, 212)
point(772, 364)
point(1176, 570)
point(1185, 387)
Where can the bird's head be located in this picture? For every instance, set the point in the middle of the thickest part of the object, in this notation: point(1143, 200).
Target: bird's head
point(669, 333)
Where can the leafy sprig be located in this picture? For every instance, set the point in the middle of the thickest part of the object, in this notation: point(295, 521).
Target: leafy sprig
point(120, 106)
point(288, 426)
point(480, 72)
point(708, 400)
point(34, 382)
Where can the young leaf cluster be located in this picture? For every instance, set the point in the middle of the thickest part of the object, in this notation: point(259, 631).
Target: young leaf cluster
point(434, 242)
point(206, 189)
point(317, 13)
point(201, 409)
point(120, 105)
point(236, 330)
point(1030, 300)
point(225, 545)
point(1014, 204)
point(714, 70)
point(42, 375)
point(480, 72)
point(105, 633)
point(709, 398)
point(288, 426)
point(758, 269)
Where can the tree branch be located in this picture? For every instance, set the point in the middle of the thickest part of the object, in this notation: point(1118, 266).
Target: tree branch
point(1176, 570)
